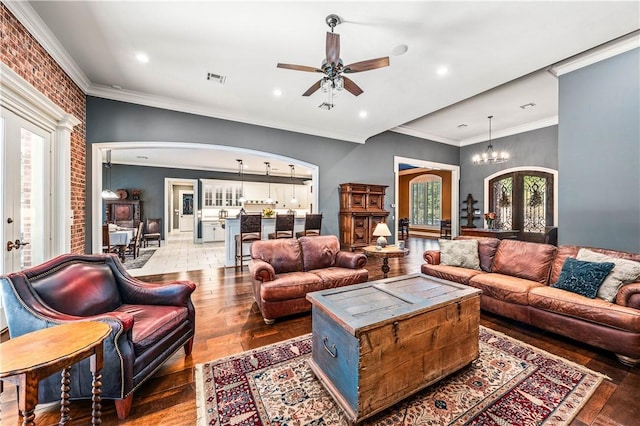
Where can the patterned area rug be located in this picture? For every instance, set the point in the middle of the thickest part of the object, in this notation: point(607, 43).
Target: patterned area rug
point(510, 383)
point(140, 261)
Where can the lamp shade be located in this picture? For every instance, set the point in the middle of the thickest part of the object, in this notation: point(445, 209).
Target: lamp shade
point(382, 230)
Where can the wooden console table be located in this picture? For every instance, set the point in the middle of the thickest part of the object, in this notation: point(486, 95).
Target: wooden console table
point(27, 359)
point(495, 233)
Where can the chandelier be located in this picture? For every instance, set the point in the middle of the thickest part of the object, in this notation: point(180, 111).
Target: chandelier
point(490, 156)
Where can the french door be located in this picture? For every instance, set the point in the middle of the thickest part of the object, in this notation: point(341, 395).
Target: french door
point(25, 151)
point(523, 200)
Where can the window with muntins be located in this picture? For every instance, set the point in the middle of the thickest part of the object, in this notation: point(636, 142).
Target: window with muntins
point(425, 200)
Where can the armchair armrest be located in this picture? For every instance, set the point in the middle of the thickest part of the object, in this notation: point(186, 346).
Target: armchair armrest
point(261, 271)
point(137, 292)
point(347, 259)
point(432, 257)
point(629, 295)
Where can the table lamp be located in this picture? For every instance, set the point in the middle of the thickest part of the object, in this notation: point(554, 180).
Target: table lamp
point(381, 231)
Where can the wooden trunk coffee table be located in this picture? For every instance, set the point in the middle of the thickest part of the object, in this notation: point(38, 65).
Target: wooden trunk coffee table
point(27, 359)
point(376, 343)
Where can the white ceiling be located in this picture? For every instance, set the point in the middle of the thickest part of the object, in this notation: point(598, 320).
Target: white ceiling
point(484, 45)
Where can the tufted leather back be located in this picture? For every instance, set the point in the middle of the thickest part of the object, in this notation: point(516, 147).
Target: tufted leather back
point(80, 289)
point(283, 254)
point(319, 251)
point(530, 261)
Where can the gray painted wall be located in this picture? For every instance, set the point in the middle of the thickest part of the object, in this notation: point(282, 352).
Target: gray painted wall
point(338, 161)
point(599, 154)
point(535, 148)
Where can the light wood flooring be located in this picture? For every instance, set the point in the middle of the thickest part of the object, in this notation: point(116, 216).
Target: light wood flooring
point(229, 322)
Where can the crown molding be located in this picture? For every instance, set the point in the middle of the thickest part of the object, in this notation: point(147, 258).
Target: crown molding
point(139, 98)
point(597, 54)
point(424, 135)
point(28, 17)
point(526, 127)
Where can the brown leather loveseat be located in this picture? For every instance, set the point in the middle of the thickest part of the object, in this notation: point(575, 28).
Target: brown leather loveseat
point(516, 280)
point(283, 271)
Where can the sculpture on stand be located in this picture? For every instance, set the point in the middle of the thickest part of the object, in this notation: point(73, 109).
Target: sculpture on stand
point(470, 211)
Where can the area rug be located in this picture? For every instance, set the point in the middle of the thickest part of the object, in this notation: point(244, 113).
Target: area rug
point(510, 383)
point(140, 261)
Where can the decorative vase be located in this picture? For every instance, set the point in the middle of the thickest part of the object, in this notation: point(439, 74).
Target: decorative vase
point(490, 223)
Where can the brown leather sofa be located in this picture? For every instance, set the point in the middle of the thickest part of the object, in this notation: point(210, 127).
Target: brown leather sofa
point(283, 272)
point(149, 322)
point(515, 279)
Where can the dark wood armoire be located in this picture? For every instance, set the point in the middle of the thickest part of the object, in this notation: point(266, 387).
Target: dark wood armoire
point(361, 209)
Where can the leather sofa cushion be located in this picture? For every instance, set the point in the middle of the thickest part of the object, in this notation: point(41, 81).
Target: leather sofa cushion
point(487, 248)
point(581, 307)
point(339, 277)
point(290, 286)
point(450, 273)
point(529, 261)
point(504, 287)
point(283, 254)
point(152, 323)
point(80, 289)
point(319, 252)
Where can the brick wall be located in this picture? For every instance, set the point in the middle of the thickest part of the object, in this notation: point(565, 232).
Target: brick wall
point(24, 55)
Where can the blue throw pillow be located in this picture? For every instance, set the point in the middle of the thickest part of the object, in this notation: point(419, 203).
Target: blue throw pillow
point(578, 276)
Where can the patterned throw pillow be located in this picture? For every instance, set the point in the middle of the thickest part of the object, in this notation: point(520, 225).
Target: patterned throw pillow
point(463, 253)
point(625, 272)
point(582, 277)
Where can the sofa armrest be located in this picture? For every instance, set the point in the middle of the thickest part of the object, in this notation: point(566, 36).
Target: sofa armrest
point(261, 271)
point(629, 295)
point(432, 257)
point(351, 260)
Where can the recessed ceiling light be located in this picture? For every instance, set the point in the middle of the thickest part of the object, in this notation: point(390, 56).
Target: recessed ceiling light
point(363, 114)
point(142, 57)
point(442, 71)
point(277, 92)
point(400, 49)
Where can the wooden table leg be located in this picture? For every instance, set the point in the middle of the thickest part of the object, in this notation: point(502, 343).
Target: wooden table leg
point(65, 387)
point(96, 362)
point(385, 266)
point(28, 397)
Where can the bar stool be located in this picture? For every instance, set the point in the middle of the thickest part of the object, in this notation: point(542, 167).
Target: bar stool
point(284, 226)
point(250, 230)
point(312, 225)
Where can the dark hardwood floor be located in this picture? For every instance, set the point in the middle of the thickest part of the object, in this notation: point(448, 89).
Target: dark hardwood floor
point(229, 322)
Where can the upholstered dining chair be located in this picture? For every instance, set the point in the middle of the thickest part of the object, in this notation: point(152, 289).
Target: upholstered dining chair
point(149, 322)
point(250, 230)
point(152, 231)
point(312, 225)
point(284, 226)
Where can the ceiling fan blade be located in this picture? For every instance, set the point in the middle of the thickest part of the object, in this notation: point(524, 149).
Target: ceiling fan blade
point(312, 89)
point(333, 48)
point(370, 64)
point(299, 67)
point(351, 87)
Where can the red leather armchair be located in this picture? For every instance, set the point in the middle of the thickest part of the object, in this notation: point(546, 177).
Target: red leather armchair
point(149, 322)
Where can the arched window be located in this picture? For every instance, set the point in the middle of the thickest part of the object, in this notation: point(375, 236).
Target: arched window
point(425, 200)
point(523, 200)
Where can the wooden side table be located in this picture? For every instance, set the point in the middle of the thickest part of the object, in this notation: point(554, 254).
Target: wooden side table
point(385, 253)
point(27, 359)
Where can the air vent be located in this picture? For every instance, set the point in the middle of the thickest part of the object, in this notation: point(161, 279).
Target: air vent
point(216, 77)
point(326, 106)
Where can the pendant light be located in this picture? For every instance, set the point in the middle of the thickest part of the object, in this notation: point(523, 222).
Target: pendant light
point(108, 194)
point(490, 156)
point(294, 200)
point(241, 172)
point(269, 200)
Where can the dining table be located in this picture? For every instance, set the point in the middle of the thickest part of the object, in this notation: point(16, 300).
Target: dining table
point(121, 238)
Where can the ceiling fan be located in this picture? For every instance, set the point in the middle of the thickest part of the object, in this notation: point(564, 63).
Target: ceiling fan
point(333, 68)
